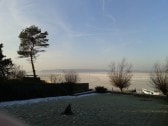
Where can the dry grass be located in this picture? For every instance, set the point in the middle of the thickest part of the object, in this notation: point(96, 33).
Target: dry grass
point(96, 110)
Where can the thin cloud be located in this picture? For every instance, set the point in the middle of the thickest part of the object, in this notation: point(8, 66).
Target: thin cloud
point(23, 18)
point(16, 12)
point(112, 18)
point(80, 34)
point(102, 30)
point(103, 5)
point(120, 46)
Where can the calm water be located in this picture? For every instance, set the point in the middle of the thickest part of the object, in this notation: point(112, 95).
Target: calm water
point(139, 80)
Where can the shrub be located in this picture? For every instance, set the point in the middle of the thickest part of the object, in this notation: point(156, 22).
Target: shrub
point(100, 89)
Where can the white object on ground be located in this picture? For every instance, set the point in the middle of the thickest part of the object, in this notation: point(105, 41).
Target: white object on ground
point(146, 91)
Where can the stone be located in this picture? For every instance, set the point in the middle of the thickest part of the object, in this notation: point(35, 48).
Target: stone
point(68, 110)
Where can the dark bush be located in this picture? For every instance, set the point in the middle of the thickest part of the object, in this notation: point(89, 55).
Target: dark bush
point(100, 89)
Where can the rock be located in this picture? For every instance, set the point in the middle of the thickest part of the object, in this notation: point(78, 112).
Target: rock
point(68, 110)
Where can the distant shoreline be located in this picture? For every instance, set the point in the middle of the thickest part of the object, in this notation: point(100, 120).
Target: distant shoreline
point(86, 70)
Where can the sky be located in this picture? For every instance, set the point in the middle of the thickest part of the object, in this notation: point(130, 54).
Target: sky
point(88, 34)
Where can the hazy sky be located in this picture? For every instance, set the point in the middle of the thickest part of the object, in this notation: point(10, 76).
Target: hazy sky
point(88, 33)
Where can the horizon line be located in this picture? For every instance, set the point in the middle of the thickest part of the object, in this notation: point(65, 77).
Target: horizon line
point(86, 70)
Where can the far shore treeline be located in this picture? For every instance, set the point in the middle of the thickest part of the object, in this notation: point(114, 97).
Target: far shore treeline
point(16, 84)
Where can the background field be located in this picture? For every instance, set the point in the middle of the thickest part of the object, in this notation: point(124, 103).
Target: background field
point(99, 110)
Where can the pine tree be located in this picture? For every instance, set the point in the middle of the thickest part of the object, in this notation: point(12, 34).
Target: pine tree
point(32, 40)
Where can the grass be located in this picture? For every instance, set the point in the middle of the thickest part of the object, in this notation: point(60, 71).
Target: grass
point(95, 110)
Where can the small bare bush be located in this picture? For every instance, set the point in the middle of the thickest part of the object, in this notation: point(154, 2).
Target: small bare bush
point(120, 74)
point(17, 72)
point(56, 78)
point(71, 77)
point(159, 78)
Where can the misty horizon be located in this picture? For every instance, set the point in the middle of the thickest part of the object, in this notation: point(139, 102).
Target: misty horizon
point(85, 70)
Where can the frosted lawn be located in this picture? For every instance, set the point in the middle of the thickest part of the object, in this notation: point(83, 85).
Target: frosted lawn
point(99, 110)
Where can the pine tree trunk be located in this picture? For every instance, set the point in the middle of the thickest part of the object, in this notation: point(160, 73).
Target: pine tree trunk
point(33, 68)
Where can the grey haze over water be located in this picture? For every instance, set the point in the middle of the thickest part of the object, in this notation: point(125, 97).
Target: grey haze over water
point(99, 77)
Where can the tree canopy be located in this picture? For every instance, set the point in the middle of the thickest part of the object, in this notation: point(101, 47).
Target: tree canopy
point(32, 40)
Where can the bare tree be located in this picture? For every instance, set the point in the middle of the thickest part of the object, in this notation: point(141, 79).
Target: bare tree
point(159, 78)
point(120, 74)
point(71, 77)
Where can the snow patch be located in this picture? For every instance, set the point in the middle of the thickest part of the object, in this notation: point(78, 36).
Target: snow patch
point(38, 100)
